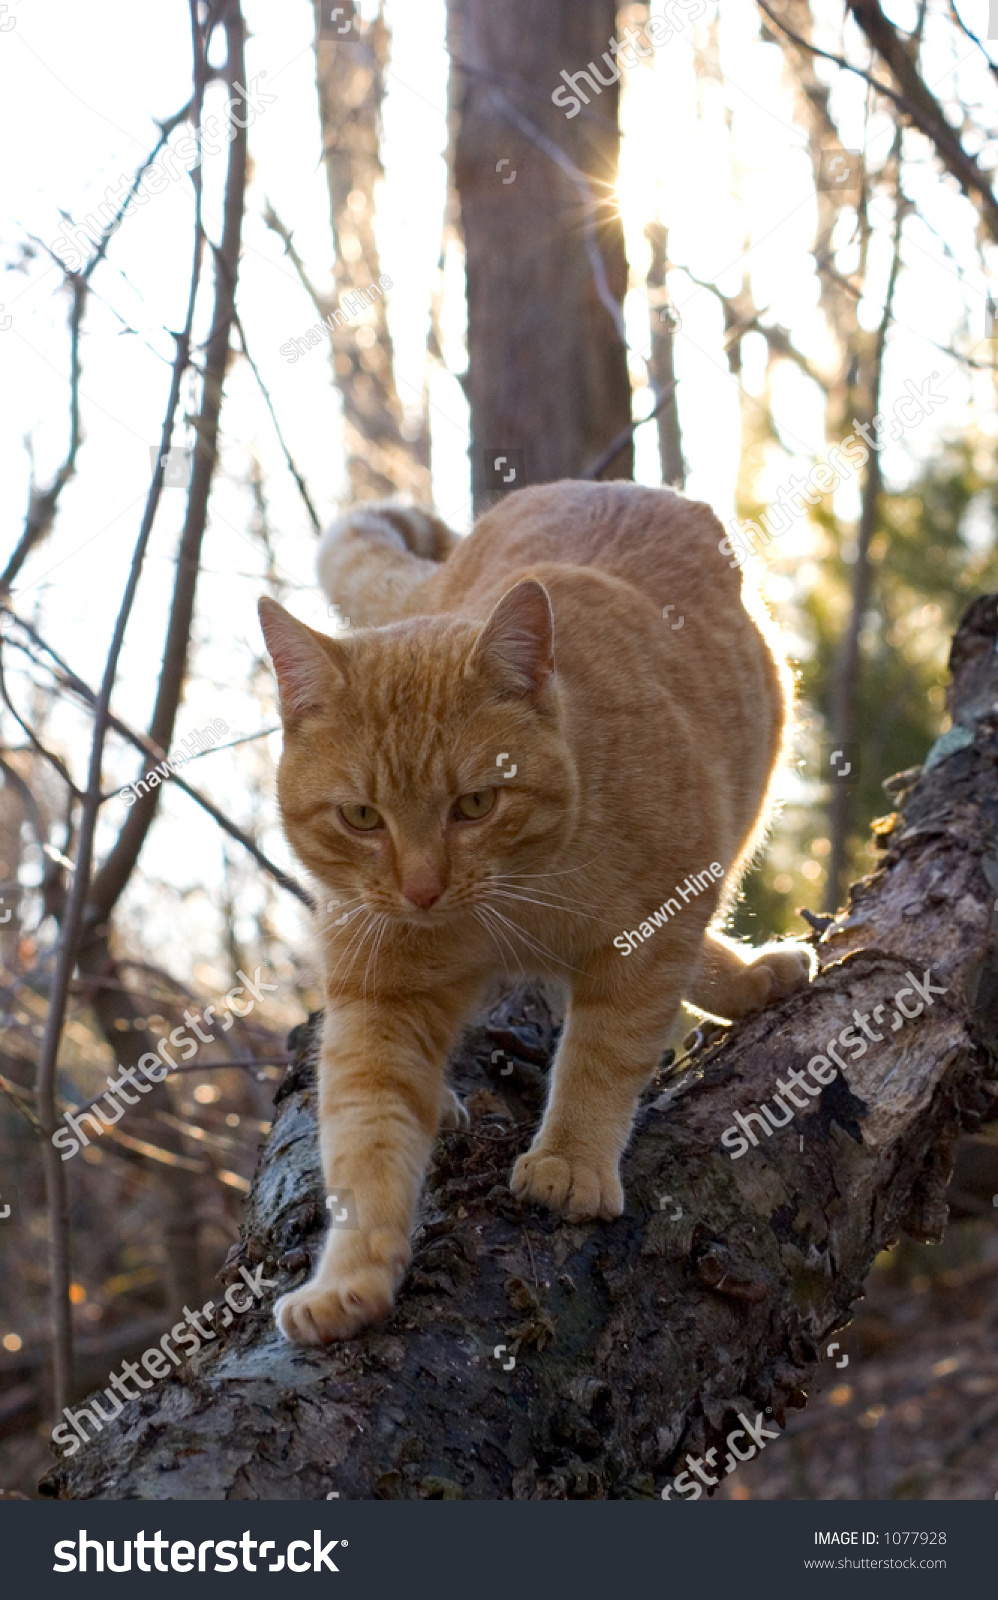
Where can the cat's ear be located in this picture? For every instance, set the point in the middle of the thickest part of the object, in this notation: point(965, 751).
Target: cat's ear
point(516, 646)
point(306, 675)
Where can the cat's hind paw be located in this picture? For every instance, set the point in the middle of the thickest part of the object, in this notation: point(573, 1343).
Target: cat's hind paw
point(777, 973)
point(576, 1188)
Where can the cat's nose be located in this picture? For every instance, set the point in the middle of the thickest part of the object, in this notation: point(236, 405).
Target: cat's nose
point(423, 895)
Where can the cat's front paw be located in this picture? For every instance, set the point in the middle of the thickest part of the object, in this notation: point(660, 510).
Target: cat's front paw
point(777, 973)
point(346, 1296)
point(577, 1187)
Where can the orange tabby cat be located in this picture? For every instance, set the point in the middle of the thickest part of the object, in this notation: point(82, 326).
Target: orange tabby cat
point(509, 765)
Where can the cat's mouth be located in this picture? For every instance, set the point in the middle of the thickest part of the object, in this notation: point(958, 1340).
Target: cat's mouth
point(422, 916)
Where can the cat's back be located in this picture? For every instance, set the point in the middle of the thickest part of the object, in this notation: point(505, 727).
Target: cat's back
point(654, 539)
point(653, 641)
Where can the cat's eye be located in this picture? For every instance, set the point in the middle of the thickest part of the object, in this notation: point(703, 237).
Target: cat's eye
point(472, 807)
point(363, 819)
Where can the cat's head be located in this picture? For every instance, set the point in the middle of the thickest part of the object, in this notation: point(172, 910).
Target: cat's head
point(426, 759)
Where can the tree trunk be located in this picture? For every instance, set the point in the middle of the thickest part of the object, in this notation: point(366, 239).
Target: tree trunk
point(546, 268)
point(383, 454)
point(847, 674)
point(664, 320)
point(530, 1358)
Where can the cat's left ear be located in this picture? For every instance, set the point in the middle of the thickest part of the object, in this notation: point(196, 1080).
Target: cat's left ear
point(516, 646)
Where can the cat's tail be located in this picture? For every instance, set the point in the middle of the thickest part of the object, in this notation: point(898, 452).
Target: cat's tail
point(373, 558)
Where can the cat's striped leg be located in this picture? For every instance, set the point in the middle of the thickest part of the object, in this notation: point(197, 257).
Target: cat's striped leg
point(381, 1096)
point(607, 1054)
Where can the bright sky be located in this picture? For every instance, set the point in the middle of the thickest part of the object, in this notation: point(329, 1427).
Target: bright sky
point(80, 91)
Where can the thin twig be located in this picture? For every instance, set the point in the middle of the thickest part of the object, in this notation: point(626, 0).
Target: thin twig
point(616, 445)
point(71, 680)
point(244, 1063)
point(992, 68)
point(42, 506)
point(288, 457)
point(42, 749)
point(166, 128)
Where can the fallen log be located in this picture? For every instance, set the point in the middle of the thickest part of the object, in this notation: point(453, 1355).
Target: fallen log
point(532, 1358)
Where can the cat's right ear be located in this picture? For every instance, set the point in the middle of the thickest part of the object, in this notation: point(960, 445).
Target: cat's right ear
point(516, 646)
point(306, 675)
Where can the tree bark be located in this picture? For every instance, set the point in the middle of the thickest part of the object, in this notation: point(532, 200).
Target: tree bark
point(547, 368)
point(664, 320)
point(639, 1341)
point(383, 455)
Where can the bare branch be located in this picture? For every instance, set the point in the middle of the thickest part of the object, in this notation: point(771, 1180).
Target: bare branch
point(73, 918)
point(291, 464)
point(117, 868)
point(613, 449)
point(48, 755)
point(42, 505)
point(969, 32)
point(72, 681)
point(916, 101)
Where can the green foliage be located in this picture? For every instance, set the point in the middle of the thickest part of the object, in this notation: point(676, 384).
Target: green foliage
point(934, 550)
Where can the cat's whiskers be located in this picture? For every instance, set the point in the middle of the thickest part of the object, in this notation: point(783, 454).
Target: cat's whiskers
point(379, 927)
point(553, 905)
point(329, 943)
point(563, 871)
point(329, 931)
point(334, 904)
point(535, 945)
point(554, 909)
point(352, 951)
point(495, 934)
point(382, 924)
point(540, 956)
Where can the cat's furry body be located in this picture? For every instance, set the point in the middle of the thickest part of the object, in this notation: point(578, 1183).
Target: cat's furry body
point(643, 758)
